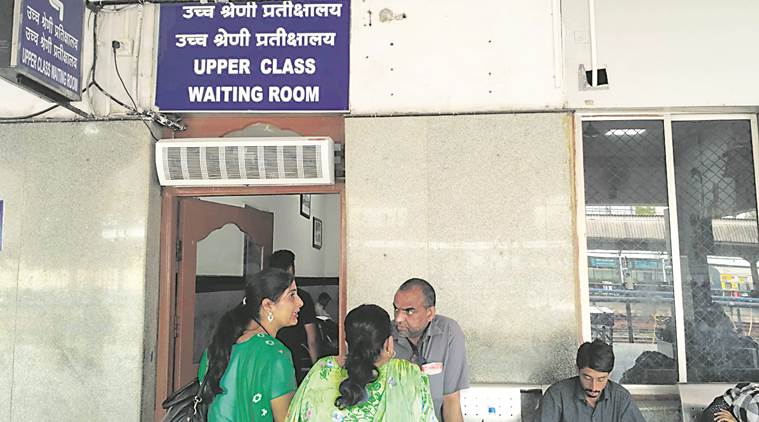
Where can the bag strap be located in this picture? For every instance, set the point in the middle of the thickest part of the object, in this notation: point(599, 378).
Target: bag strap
point(199, 396)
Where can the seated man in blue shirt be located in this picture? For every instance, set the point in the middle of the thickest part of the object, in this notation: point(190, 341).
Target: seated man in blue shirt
point(590, 396)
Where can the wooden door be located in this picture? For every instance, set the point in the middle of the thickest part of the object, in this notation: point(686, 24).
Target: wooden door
point(198, 219)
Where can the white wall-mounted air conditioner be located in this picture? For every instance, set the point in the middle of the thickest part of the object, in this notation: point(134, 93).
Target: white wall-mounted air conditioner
point(245, 161)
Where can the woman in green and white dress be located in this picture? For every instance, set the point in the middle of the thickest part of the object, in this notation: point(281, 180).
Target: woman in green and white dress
point(250, 373)
point(370, 385)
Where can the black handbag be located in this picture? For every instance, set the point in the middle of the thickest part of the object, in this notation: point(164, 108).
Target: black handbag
point(187, 404)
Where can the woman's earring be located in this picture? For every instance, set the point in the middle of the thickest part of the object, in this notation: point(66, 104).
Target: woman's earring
point(270, 317)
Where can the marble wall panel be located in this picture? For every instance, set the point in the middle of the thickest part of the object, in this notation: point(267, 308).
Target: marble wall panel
point(12, 195)
point(386, 205)
point(84, 275)
point(481, 206)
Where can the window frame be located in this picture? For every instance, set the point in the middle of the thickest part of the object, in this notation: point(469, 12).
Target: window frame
point(582, 250)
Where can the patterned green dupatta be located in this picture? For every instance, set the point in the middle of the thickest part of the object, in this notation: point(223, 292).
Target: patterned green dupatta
point(401, 393)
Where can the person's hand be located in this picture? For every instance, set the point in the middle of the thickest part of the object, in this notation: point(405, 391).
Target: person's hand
point(724, 416)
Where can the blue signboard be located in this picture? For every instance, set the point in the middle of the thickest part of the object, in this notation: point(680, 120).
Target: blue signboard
point(645, 264)
point(597, 262)
point(50, 44)
point(255, 56)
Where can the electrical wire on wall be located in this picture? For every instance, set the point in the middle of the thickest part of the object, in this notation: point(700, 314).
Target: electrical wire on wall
point(52, 107)
point(29, 116)
point(91, 78)
point(91, 81)
point(115, 46)
point(173, 124)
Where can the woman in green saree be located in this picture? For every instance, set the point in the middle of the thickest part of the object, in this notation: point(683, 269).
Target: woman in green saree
point(249, 373)
point(371, 385)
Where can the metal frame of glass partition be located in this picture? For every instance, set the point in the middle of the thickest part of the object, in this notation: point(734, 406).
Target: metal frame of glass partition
point(674, 233)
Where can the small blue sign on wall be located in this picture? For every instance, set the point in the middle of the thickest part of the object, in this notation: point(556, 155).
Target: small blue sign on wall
point(255, 56)
point(50, 44)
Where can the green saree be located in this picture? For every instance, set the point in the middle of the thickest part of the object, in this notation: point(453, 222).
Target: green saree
point(401, 393)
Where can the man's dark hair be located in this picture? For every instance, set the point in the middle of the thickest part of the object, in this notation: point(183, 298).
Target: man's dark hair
point(597, 355)
point(282, 259)
point(427, 290)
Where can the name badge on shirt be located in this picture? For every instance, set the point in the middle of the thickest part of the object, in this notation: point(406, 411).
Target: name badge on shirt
point(432, 368)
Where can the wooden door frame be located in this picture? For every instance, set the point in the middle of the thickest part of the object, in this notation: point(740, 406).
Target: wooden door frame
point(168, 267)
point(210, 216)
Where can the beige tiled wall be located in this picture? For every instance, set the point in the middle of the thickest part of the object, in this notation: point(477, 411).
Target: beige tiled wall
point(481, 206)
point(77, 268)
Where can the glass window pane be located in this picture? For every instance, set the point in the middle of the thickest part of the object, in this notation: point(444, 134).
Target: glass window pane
point(629, 259)
point(220, 279)
point(716, 200)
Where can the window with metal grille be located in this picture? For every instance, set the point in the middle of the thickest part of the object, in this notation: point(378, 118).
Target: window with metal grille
point(672, 247)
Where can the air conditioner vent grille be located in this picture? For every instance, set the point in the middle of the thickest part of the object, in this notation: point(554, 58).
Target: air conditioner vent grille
point(271, 164)
point(251, 163)
point(193, 163)
point(173, 164)
point(311, 159)
point(290, 160)
point(232, 162)
point(245, 161)
point(213, 165)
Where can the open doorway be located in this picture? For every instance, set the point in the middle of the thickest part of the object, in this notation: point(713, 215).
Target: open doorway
point(204, 266)
point(306, 225)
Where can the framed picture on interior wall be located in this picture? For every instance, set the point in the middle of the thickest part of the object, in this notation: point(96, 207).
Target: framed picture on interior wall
point(305, 205)
point(317, 233)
